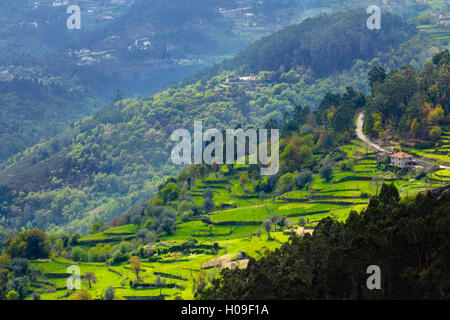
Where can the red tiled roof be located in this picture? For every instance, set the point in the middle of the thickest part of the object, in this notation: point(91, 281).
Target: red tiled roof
point(401, 155)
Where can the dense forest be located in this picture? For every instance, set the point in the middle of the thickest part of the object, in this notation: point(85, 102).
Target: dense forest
point(412, 103)
point(322, 45)
point(36, 109)
point(407, 238)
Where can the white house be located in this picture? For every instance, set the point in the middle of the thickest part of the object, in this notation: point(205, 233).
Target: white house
point(250, 78)
point(402, 160)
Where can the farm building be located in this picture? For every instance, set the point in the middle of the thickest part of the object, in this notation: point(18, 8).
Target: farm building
point(402, 160)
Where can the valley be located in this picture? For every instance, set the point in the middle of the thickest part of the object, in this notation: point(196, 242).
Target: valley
point(94, 207)
point(194, 253)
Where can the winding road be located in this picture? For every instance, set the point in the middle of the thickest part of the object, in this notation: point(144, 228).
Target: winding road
point(376, 147)
point(363, 138)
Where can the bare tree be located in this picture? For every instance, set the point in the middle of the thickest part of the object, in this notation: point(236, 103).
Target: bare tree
point(90, 278)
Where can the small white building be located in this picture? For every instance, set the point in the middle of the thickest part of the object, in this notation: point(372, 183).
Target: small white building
point(247, 79)
point(402, 160)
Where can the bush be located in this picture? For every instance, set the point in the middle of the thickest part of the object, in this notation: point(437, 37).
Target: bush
point(170, 192)
point(421, 174)
point(286, 183)
point(208, 193)
point(110, 293)
point(121, 254)
point(325, 172)
point(346, 165)
point(435, 133)
point(82, 295)
point(36, 296)
point(12, 295)
point(79, 255)
point(164, 222)
point(150, 237)
point(119, 257)
point(208, 205)
point(303, 178)
point(185, 206)
point(32, 244)
point(99, 253)
point(302, 221)
point(424, 145)
point(97, 227)
point(19, 266)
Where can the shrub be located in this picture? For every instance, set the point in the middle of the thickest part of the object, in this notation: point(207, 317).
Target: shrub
point(208, 205)
point(302, 221)
point(82, 295)
point(286, 183)
point(303, 178)
point(97, 227)
point(208, 193)
point(325, 172)
point(36, 296)
point(79, 255)
point(110, 293)
point(12, 295)
point(19, 266)
point(121, 254)
point(150, 237)
point(32, 244)
point(99, 253)
point(435, 133)
point(421, 174)
point(185, 206)
point(164, 222)
point(170, 192)
point(346, 165)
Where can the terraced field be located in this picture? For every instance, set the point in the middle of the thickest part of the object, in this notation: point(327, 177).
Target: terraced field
point(198, 248)
point(442, 176)
point(439, 155)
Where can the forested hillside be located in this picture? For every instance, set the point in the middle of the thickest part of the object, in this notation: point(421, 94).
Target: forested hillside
point(142, 47)
point(51, 77)
point(422, 107)
point(34, 109)
point(211, 230)
point(322, 45)
point(117, 157)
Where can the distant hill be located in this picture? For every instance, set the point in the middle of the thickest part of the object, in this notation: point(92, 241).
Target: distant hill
point(323, 44)
point(139, 46)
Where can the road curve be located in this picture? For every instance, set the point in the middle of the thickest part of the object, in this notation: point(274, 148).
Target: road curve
point(374, 146)
point(362, 137)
